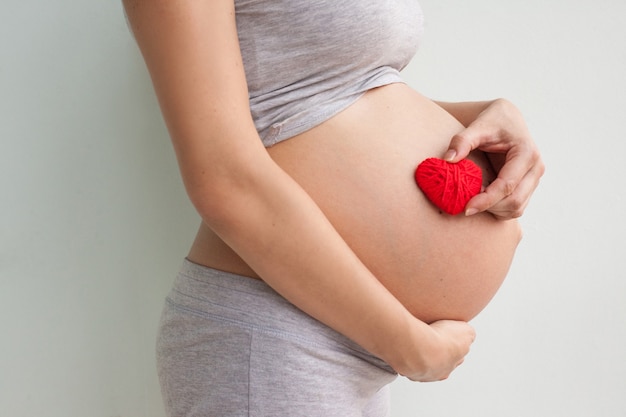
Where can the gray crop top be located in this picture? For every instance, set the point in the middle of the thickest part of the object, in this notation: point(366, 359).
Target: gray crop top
point(306, 60)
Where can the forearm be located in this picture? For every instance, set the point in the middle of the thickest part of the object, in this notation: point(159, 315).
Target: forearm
point(281, 233)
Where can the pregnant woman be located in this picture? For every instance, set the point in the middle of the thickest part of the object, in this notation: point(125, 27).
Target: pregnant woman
point(320, 271)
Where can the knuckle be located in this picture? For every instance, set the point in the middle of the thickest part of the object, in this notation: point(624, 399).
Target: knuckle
point(459, 137)
point(536, 154)
point(516, 203)
point(514, 207)
point(462, 140)
point(517, 213)
point(505, 108)
point(508, 186)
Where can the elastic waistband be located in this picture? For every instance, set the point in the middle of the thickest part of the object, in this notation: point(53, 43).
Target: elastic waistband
point(252, 303)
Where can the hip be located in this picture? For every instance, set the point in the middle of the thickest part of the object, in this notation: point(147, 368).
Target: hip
point(230, 345)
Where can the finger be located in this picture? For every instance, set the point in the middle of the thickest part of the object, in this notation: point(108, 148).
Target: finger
point(460, 146)
point(516, 194)
point(513, 205)
point(476, 135)
point(497, 191)
point(517, 165)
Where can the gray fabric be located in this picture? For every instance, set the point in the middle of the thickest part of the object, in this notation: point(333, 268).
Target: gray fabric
point(230, 346)
point(307, 60)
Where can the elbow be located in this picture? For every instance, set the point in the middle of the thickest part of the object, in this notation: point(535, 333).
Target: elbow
point(213, 201)
point(226, 196)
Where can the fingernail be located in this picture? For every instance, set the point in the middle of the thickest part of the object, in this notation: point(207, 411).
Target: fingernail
point(449, 156)
point(471, 211)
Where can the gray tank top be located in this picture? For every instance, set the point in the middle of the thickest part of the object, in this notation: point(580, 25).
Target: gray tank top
point(306, 60)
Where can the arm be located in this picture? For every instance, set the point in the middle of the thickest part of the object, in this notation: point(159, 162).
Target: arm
point(192, 53)
point(497, 128)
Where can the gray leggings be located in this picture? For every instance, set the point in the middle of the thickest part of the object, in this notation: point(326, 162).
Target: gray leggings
point(230, 346)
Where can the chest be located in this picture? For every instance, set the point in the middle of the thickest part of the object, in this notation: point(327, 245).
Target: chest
point(323, 36)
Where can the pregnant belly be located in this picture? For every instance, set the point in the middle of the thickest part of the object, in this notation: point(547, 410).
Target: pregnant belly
point(359, 168)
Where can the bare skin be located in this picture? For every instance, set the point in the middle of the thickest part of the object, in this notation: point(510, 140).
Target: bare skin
point(291, 225)
point(358, 168)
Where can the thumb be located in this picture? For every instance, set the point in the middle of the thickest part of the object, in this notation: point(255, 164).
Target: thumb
point(460, 146)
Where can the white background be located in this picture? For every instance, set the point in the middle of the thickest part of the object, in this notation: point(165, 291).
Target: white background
point(94, 221)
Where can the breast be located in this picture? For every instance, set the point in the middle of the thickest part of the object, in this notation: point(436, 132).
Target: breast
point(358, 167)
point(301, 54)
point(306, 40)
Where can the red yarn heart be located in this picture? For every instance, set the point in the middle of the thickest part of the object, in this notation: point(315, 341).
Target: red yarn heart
point(449, 186)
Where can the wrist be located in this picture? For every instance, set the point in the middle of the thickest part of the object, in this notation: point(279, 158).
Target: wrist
point(408, 350)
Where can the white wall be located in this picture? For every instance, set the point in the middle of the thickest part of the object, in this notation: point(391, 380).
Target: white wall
point(94, 220)
point(552, 342)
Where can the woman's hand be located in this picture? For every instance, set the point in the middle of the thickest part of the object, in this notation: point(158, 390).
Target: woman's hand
point(500, 131)
point(442, 346)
